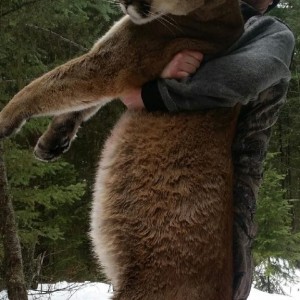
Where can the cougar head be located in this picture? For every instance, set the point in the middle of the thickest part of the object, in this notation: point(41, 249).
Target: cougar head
point(144, 11)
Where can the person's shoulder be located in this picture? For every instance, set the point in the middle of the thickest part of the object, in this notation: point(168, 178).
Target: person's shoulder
point(265, 32)
point(267, 23)
point(282, 23)
point(270, 27)
point(269, 31)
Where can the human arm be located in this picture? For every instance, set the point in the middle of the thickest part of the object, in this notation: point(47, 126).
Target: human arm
point(258, 60)
point(182, 65)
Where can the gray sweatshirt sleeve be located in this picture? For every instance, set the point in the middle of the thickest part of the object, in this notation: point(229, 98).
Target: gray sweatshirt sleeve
point(257, 61)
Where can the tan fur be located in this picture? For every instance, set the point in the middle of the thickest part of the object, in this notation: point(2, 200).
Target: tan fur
point(162, 211)
point(162, 215)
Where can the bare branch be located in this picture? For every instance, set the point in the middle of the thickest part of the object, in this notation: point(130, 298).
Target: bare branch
point(82, 48)
point(50, 289)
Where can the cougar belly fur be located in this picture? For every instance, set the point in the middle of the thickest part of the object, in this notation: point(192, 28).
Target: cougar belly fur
point(162, 213)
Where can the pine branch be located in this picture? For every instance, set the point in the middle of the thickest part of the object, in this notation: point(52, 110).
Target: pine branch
point(82, 48)
point(19, 7)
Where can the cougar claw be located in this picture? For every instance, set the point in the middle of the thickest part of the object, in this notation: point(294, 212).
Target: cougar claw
point(52, 149)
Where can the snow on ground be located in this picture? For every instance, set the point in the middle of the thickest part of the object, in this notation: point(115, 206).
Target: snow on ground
point(293, 289)
point(77, 291)
point(259, 295)
point(101, 291)
point(68, 291)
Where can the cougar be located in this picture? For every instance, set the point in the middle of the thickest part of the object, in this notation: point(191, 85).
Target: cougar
point(161, 221)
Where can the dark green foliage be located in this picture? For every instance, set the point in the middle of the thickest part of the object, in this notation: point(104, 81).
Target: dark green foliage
point(286, 134)
point(274, 217)
point(45, 195)
point(51, 199)
point(276, 248)
point(40, 191)
point(42, 34)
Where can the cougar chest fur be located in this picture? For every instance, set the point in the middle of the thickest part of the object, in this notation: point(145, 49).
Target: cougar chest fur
point(162, 210)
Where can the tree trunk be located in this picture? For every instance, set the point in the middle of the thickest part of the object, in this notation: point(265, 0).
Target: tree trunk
point(13, 267)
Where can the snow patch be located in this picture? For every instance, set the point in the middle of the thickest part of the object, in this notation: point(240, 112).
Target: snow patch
point(102, 291)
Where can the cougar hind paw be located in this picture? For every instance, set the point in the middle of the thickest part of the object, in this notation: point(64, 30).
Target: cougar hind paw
point(49, 149)
point(58, 137)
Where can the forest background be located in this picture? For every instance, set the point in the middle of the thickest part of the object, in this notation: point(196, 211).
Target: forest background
point(52, 200)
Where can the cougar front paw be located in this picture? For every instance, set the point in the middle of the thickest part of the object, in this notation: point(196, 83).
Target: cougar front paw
point(50, 148)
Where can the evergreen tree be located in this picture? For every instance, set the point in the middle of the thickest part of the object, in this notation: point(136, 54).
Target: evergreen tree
point(286, 134)
point(276, 247)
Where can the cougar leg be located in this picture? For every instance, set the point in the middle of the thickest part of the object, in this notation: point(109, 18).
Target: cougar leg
point(61, 132)
point(74, 86)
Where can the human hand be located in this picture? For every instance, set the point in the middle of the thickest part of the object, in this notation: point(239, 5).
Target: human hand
point(182, 65)
point(133, 99)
